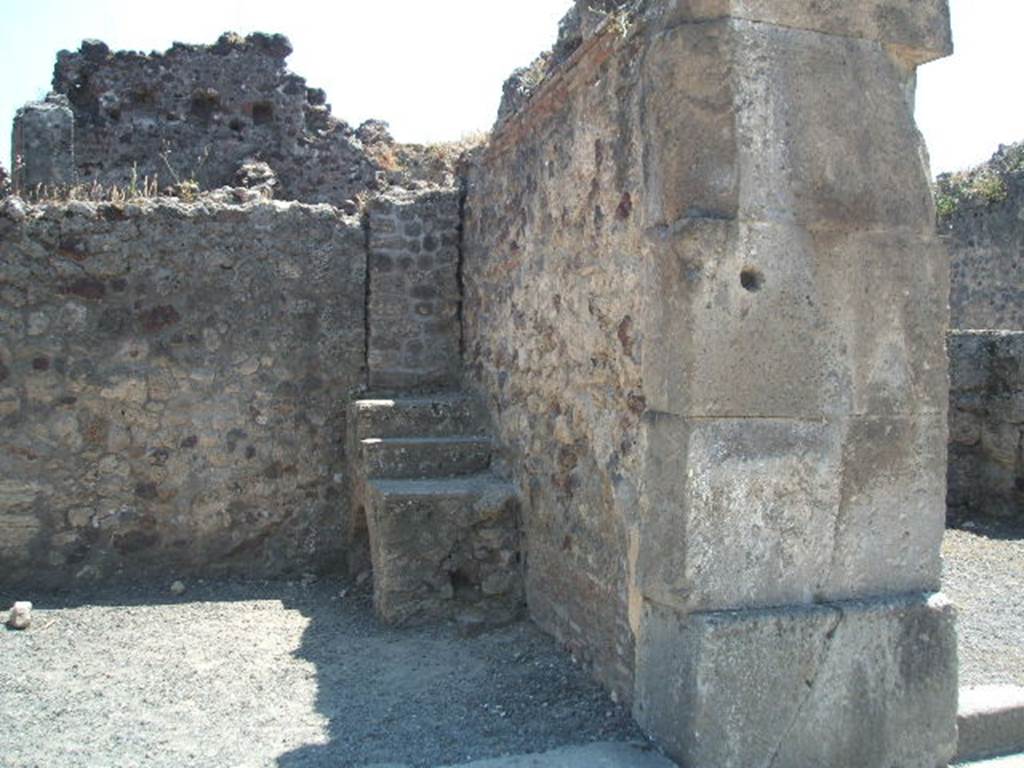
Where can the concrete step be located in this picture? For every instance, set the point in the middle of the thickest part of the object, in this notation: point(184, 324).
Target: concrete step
point(599, 755)
point(480, 486)
point(424, 457)
point(991, 723)
point(440, 545)
point(1007, 761)
point(439, 415)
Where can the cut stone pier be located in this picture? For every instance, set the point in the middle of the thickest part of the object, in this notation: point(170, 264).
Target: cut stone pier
point(706, 306)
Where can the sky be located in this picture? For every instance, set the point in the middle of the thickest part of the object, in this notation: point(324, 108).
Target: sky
point(433, 69)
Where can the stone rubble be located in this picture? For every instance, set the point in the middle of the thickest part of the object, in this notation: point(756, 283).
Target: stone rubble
point(20, 615)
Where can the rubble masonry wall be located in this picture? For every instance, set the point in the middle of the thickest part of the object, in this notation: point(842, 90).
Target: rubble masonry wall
point(173, 380)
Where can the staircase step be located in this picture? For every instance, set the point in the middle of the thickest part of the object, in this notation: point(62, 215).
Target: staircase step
point(598, 755)
point(465, 488)
point(991, 722)
point(1007, 761)
point(423, 457)
point(443, 543)
point(423, 416)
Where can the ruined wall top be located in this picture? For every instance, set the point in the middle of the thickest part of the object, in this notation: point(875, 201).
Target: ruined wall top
point(916, 31)
point(201, 112)
point(982, 212)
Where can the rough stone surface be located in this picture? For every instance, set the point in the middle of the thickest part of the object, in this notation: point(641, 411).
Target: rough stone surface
point(986, 425)
point(443, 548)
point(172, 386)
point(982, 212)
point(43, 145)
point(20, 616)
point(701, 297)
point(202, 113)
point(708, 325)
point(5, 181)
point(842, 685)
point(697, 362)
point(440, 530)
point(990, 721)
point(414, 293)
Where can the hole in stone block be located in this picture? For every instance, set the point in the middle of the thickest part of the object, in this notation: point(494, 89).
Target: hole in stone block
point(751, 280)
point(262, 113)
point(465, 587)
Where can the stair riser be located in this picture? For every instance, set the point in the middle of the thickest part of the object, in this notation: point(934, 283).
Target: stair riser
point(422, 461)
point(432, 553)
point(990, 722)
point(429, 419)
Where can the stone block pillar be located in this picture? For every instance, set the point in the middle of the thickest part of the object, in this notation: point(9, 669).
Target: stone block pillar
point(43, 145)
point(785, 566)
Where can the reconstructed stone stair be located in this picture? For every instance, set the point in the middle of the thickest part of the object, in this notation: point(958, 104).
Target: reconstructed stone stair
point(441, 527)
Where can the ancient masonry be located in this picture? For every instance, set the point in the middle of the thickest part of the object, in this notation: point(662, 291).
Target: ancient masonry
point(981, 212)
point(663, 362)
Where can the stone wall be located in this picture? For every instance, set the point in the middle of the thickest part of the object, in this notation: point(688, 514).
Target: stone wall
point(986, 425)
point(414, 293)
point(704, 301)
point(982, 212)
point(173, 380)
point(197, 112)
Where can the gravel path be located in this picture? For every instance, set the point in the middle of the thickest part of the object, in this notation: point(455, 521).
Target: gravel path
point(984, 577)
point(278, 675)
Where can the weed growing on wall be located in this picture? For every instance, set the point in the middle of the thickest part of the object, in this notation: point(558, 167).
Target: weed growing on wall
point(980, 187)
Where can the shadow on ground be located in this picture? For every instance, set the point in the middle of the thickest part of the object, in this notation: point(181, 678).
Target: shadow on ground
point(280, 674)
point(428, 697)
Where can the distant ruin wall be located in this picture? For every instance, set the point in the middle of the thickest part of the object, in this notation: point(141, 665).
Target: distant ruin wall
point(986, 425)
point(982, 216)
point(173, 380)
point(193, 112)
point(982, 212)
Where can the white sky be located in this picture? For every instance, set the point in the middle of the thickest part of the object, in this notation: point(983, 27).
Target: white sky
point(433, 68)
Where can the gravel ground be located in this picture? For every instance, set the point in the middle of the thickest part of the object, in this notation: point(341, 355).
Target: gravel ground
point(278, 675)
point(302, 676)
point(984, 577)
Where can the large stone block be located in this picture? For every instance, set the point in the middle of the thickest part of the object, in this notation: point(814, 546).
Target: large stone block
point(776, 320)
point(834, 168)
point(442, 546)
point(691, 160)
point(716, 98)
point(919, 31)
point(43, 145)
point(759, 512)
point(843, 685)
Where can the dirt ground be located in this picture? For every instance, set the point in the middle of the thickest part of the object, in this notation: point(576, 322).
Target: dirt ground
point(303, 676)
point(279, 675)
point(983, 575)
